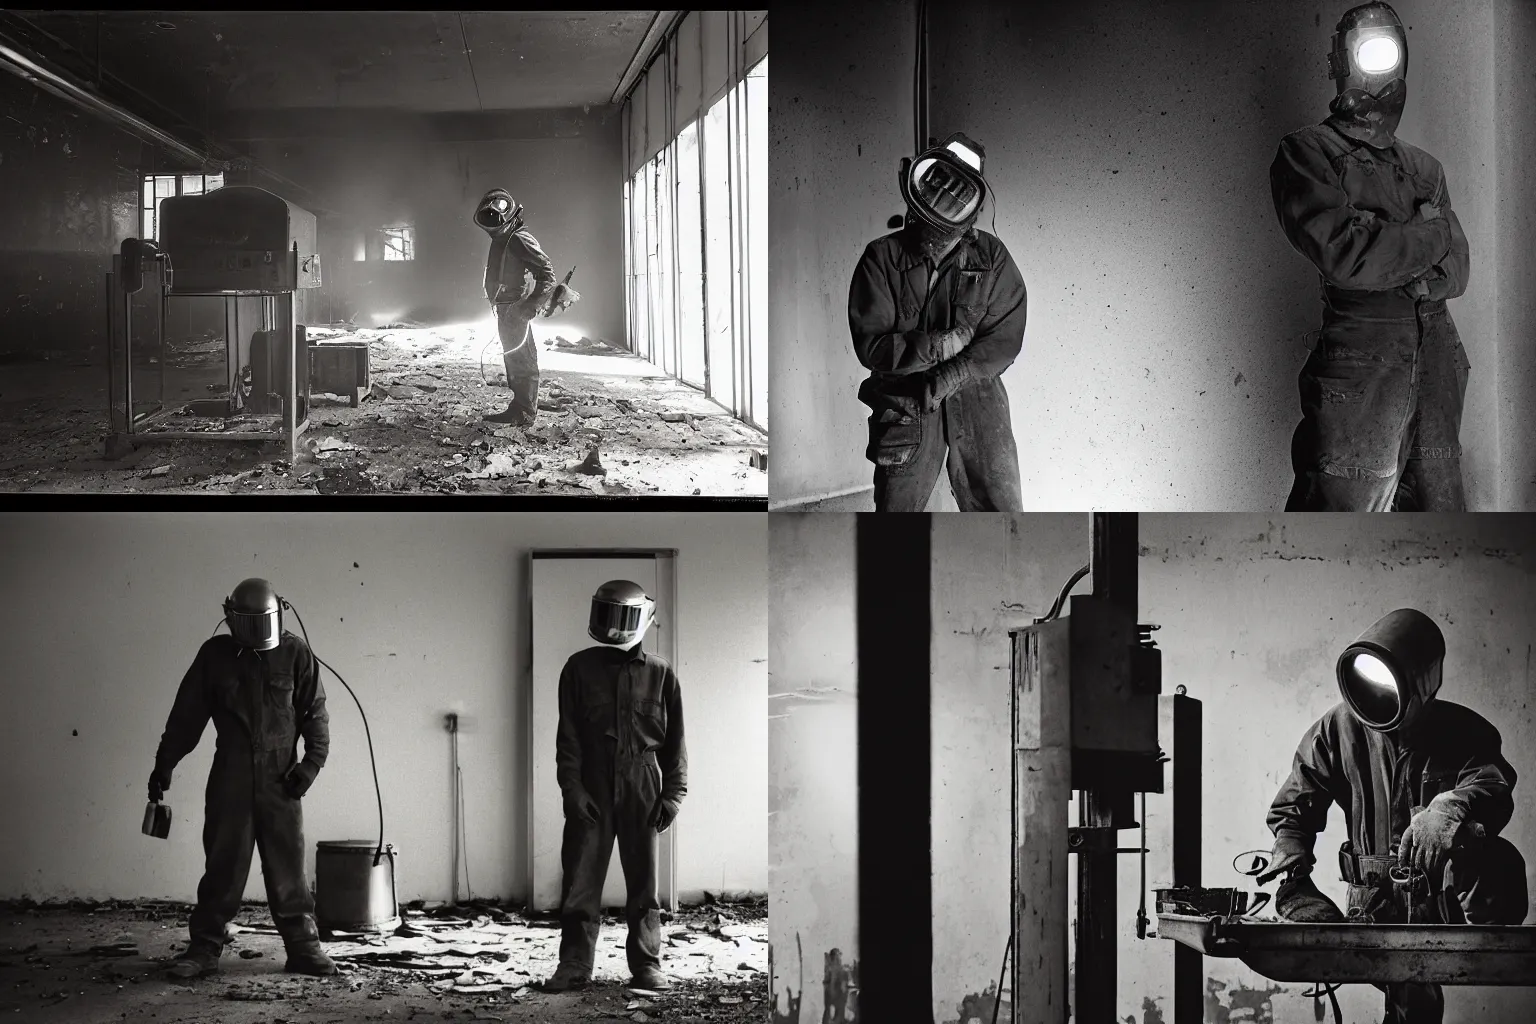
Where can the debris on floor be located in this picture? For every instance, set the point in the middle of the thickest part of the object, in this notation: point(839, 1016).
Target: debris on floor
point(609, 423)
point(478, 960)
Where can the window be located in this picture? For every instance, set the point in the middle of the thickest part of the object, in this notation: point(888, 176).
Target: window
point(163, 186)
point(398, 244)
point(696, 251)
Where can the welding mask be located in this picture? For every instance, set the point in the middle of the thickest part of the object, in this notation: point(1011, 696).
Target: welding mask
point(1369, 61)
point(943, 187)
point(254, 613)
point(1393, 670)
point(497, 210)
point(621, 613)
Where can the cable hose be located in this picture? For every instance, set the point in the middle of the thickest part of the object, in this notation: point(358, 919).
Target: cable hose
point(469, 890)
point(373, 763)
point(1061, 598)
point(997, 1001)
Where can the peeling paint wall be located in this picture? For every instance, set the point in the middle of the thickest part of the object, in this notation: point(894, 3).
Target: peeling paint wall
point(1128, 145)
point(1254, 610)
point(419, 612)
point(70, 183)
point(813, 770)
point(376, 170)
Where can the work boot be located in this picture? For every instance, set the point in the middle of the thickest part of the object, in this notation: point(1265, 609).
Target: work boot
point(650, 979)
point(197, 961)
point(309, 958)
point(568, 977)
point(1299, 899)
point(513, 416)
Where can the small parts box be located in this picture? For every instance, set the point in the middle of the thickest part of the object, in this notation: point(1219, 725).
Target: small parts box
point(340, 368)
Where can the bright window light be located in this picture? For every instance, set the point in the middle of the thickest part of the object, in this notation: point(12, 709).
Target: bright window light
point(398, 244)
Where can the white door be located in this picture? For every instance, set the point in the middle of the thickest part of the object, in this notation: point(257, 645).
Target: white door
point(562, 585)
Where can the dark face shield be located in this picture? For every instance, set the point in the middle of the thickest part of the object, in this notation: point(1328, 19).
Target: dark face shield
point(254, 614)
point(497, 209)
point(620, 614)
point(943, 187)
point(1369, 62)
point(1392, 670)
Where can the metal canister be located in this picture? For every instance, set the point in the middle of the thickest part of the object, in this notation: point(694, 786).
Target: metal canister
point(157, 819)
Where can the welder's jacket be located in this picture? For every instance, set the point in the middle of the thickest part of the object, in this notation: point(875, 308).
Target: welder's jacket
point(1351, 210)
point(260, 703)
point(1378, 778)
point(514, 254)
point(620, 736)
point(895, 316)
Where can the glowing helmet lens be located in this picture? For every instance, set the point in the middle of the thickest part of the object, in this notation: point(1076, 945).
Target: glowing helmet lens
point(1372, 688)
point(1377, 55)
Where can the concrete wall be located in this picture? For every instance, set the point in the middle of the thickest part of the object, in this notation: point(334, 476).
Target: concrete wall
point(71, 190)
point(420, 612)
point(371, 170)
point(841, 121)
point(1245, 630)
point(812, 791)
point(1129, 147)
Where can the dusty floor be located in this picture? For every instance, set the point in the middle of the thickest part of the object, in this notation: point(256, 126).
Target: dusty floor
point(419, 431)
point(109, 965)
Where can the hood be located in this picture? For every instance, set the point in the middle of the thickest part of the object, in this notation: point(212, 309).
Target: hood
point(1393, 670)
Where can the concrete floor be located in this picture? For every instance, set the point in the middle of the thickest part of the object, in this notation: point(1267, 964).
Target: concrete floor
point(48, 972)
point(419, 431)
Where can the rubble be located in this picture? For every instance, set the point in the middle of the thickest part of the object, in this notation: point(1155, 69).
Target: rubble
point(420, 430)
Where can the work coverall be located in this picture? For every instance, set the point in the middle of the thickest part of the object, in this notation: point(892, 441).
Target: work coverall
point(620, 740)
point(260, 702)
point(1381, 393)
point(1378, 779)
point(898, 305)
point(514, 257)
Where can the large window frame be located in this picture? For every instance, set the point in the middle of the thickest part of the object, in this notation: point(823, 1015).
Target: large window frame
point(696, 247)
point(155, 188)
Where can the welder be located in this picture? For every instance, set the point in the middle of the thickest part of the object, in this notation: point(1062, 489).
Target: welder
point(1382, 391)
point(1425, 791)
point(260, 685)
point(519, 279)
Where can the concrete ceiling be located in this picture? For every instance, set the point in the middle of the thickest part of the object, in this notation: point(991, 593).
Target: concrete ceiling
point(206, 62)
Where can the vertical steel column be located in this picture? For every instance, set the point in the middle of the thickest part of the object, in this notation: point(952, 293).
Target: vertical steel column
point(119, 369)
point(288, 338)
point(895, 859)
point(1113, 567)
point(1042, 786)
point(1188, 964)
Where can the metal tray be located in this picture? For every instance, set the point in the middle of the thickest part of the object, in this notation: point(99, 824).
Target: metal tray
point(1463, 954)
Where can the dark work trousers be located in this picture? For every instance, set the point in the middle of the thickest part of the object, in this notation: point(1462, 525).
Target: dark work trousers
point(1381, 416)
point(624, 813)
point(971, 430)
point(522, 363)
point(1483, 885)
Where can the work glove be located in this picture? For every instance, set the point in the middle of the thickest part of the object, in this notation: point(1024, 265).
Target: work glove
point(1429, 211)
point(1299, 899)
point(1291, 853)
point(159, 782)
point(299, 778)
point(942, 381)
point(1432, 833)
point(952, 341)
point(580, 805)
point(664, 815)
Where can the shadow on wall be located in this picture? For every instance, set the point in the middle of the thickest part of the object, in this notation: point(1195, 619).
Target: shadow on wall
point(839, 990)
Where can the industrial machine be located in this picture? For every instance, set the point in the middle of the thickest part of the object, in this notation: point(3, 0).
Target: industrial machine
point(256, 251)
point(1089, 717)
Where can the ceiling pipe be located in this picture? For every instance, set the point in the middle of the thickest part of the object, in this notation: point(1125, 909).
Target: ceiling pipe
point(27, 69)
point(655, 36)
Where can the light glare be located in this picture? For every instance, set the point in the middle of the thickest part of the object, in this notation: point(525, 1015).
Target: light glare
point(1377, 55)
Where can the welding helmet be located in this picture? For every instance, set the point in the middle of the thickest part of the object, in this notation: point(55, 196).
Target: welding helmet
point(254, 613)
point(621, 613)
point(1369, 61)
point(1393, 670)
point(496, 210)
point(943, 186)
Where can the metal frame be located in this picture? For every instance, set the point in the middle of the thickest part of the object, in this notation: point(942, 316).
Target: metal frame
point(127, 429)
